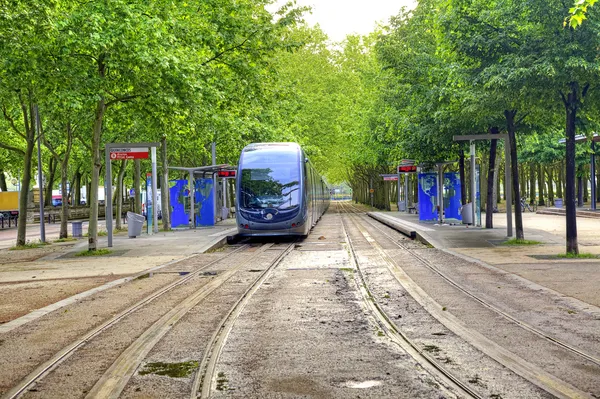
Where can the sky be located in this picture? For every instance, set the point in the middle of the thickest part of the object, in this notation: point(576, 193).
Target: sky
point(339, 18)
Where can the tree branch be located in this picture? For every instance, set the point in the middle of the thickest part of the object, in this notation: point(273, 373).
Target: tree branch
point(521, 119)
point(11, 148)
point(564, 99)
point(218, 55)
point(86, 145)
point(585, 90)
point(11, 121)
point(123, 99)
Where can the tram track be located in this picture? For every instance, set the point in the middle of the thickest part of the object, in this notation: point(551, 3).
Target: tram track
point(398, 337)
point(529, 371)
point(66, 352)
point(487, 304)
point(205, 377)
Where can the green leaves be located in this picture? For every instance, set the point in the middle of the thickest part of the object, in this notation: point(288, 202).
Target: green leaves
point(577, 13)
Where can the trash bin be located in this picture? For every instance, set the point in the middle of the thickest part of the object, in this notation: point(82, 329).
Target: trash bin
point(135, 223)
point(558, 202)
point(401, 206)
point(77, 229)
point(466, 213)
point(224, 213)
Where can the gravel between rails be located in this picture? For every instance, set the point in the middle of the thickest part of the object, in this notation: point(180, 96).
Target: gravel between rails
point(188, 340)
point(471, 366)
point(563, 364)
point(305, 333)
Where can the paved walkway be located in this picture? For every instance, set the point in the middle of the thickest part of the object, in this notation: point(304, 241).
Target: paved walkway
point(538, 263)
point(130, 255)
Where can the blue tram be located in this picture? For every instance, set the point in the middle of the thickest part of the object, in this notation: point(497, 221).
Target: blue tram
point(279, 192)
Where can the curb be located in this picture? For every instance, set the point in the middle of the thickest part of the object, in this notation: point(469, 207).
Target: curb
point(410, 232)
point(36, 314)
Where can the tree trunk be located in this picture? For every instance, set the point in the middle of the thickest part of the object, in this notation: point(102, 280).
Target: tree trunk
point(531, 184)
point(571, 103)
point(496, 197)
point(64, 211)
point(541, 185)
point(3, 186)
point(119, 194)
point(136, 186)
point(489, 209)
point(50, 181)
point(510, 127)
point(461, 171)
point(579, 191)
point(559, 181)
point(77, 189)
point(585, 190)
point(165, 191)
point(550, 185)
point(95, 172)
point(25, 183)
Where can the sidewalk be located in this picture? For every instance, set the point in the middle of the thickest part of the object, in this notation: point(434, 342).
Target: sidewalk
point(577, 278)
point(34, 282)
point(129, 255)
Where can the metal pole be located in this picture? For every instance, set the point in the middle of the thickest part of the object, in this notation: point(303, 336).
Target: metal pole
point(154, 190)
point(40, 182)
point(406, 192)
point(398, 189)
point(214, 162)
point(192, 197)
point(473, 185)
point(108, 213)
point(508, 190)
point(371, 191)
point(440, 198)
point(593, 174)
point(224, 185)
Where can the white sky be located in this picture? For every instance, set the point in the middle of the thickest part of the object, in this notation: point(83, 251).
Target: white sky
point(339, 18)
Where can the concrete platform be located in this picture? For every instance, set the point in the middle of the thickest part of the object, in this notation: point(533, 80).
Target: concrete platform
point(577, 278)
point(130, 255)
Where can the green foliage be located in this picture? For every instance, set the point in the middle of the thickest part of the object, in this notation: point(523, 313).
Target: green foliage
point(577, 13)
point(97, 252)
point(516, 241)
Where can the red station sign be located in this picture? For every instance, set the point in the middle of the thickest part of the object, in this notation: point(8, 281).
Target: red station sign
point(226, 173)
point(407, 168)
point(128, 153)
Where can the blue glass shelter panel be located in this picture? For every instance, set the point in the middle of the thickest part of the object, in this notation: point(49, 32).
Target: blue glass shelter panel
point(452, 202)
point(179, 197)
point(428, 196)
point(205, 202)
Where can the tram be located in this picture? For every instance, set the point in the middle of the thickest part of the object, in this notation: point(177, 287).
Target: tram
point(279, 191)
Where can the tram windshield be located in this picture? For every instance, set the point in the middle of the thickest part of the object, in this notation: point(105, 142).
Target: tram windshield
point(270, 180)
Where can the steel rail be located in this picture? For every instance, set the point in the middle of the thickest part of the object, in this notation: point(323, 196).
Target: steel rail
point(429, 363)
point(489, 305)
point(204, 378)
point(60, 356)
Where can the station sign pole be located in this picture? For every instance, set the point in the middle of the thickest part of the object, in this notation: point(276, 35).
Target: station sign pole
point(126, 151)
point(154, 191)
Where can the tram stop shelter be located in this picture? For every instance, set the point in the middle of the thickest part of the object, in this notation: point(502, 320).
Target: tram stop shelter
point(595, 139)
point(201, 187)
